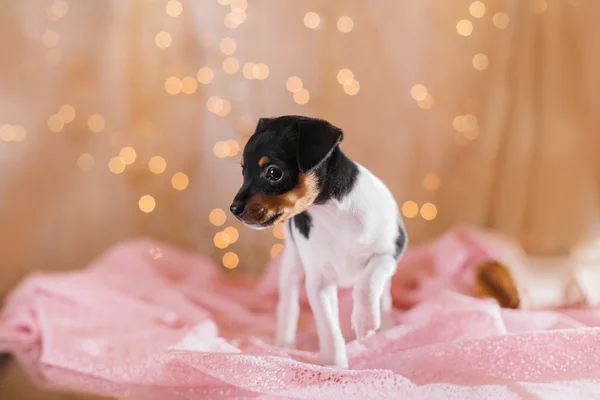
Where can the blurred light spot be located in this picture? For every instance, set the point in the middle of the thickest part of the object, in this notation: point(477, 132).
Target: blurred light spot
point(147, 203)
point(538, 6)
point(477, 9)
point(227, 46)
point(426, 103)
point(276, 249)
point(50, 38)
point(188, 85)
point(173, 85)
point(345, 24)
point(500, 20)
point(232, 234)
point(67, 113)
point(230, 260)
point(428, 211)
point(221, 149)
point(352, 88)
point(261, 71)
point(312, 20)
point(345, 76)
point(231, 65)
point(17, 133)
point(419, 92)
point(116, 165)
point(96, 123)
point(224, 2)
point(55, 123)
point(5, 133)
point(174, 8)
point(157, 165)
point(239, 5)
point(57, 10)
point(221, 240)
point(180, 181)
point(293, 84)
point(85, 162)
point(431, 181)
point(464, 27)
point(205, 75)
point(279, 231)
point(163, 39)
point(410, 209)
point(217, 217)
point(128, 155)
point(302, 96)
point(480, 61)
point(233, 148)
point(248, 70)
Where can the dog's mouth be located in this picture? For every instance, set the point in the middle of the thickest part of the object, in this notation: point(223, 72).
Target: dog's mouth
point(271, 220)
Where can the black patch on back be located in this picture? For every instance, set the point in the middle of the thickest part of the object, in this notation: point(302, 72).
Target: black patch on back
point(303, 223)
point(401, 241)
point(337, 177)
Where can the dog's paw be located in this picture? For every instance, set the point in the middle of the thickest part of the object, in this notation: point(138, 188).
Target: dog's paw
point(286, 344)
point(340, 362)
point(364, 322)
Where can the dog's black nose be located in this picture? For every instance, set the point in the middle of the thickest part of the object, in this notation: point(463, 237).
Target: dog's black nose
point(237, 208)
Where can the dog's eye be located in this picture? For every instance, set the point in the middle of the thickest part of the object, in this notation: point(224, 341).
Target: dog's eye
point(274, 173)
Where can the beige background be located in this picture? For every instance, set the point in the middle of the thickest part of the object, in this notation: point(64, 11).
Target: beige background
point(503, 132)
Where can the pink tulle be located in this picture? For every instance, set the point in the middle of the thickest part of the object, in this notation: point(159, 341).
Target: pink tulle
point(147, 321)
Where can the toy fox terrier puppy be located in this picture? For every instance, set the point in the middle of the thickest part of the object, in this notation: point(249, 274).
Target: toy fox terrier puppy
point(343, 228)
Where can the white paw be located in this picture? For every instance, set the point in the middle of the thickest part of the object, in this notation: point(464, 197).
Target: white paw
point(364, 322)
point(285, 343)
point(341, 362)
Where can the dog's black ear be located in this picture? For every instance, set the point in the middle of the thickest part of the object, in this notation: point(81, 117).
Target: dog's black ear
point(261, 123)
point(316, 140)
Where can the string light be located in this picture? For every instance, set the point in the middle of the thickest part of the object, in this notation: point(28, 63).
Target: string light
point(96, 123)
point(174, 8)
point(128, 155)
point(180, 181)
point(157, 165)
point(217, 217)
point(248, 70)
point(116, 165)
point(57, 10)
point(500, 20)
point(477, 9)
point(227, 46)
point(261, 71)
point(419, 92)
point(293, 84)
point(224, 2)
point(230, 260)
point(302, 96)
point(345, 76)
point(5, 133)
point(67, 113)
point(345, 24)
point(231, 65)
point(431, 182)
point(480, 61)
point(85, 162)
point(428, 211)
point(410, 209)
point(464, 27)
point(239, 5)
point(50, 38)
point(279, 231)
point(233, 147)
point(147, 203)
point(173, 85)
point(205, 75)
point(235, 18)
point(276, 249)
point(12, 133)
point(221, 149)
point(232, 234)
point(538, 6)
point(312, 20)
point(163, 39)
point(55, 123)
point(189, 85)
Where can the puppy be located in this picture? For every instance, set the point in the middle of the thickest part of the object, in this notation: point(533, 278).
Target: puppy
point(343, 227)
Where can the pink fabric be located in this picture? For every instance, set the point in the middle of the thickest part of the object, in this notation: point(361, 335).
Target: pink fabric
point(149, 321)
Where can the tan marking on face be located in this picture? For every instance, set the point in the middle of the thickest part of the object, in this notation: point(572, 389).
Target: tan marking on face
point(494, 280)
point(242, 162)
point(289, 204)
point(263, 161)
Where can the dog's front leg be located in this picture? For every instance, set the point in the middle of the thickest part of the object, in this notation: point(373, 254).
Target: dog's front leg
point(368, 292)
point(288, 307)
point(323, 299)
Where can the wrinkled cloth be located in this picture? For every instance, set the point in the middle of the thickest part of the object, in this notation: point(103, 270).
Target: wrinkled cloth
point(147, 321)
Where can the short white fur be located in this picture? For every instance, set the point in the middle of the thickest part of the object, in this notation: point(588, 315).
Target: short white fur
point(352, 243)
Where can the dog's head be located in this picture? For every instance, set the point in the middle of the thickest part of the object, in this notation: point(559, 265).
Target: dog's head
point(279, 167)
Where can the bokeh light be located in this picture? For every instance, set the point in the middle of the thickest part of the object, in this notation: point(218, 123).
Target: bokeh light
point(157, 165)
point(279, 231)
point(477, 9)
point(96, 123)
point(85, 162)
point(205, 75)
point(217, 217)
point(231, 260)
point(276, 249)
point(180, 181)
point(464, 27)
point(116, 165)
point(128, 155)
point(345, 24)
point(174, 8)
point(312, 20)
point(293, 84)
point(428, 211)
point(147, 203)
point(410, 209)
